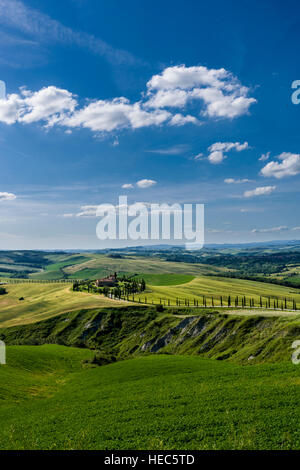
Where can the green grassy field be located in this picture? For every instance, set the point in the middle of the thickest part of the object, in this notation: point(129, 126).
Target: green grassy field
point(56, 270)
point(218, 286)
point(93, 266)
point(185, 378)
point(49, 401)
point(43, 301)
point(165, 279)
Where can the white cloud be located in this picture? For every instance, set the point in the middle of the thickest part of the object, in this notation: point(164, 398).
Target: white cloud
point(182, 77)
point(49, 104)
point(56, 106)
point(234, 181)
point(175, 150)
point(220, 91)
point(109, 115)
point(218, 231)
point(142, 184)
point(145, 183)
point(265, 157)
point(68, 215)
point(7, 197)
point(217, 150)
point(262, 191)
point(295, 229)
point(270, 230)
point(199, 156)
point(289, 166)
point(227, 146)
point(219, 105)
point(168, 98)
point(9, 109)
point(216, 157)
point(88, 211)
point(181, 120)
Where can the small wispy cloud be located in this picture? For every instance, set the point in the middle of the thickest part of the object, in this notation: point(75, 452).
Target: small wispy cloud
point(199, 156)
point(238, 181)
point(7, 196)
point(141, 184)
point(282, 228)
point(88, 211)
point(251, 209)
point(261, 191)
point(174, 150)
point(265, 157)
point(213, 230)
point(15, 14)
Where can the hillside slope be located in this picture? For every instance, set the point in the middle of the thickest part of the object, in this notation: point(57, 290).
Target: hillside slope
point(50, 401)
point(217, 286)
point(130, 332)
point(41, 301)
point(94, 265)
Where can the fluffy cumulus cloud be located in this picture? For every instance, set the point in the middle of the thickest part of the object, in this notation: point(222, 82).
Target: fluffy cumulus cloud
point(9, 109)
point(109, 115)
point(220, 93)
point(180, 120)
point(261, 191)
point(143, 184)
point(50, 105)
point(7, 197)
point(217, 151)
point(216, 93)
point(287, 164)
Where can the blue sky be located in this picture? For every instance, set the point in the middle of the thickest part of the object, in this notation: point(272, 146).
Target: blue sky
point(193, 97)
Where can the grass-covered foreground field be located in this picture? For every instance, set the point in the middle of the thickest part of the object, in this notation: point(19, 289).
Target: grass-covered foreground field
point(50, 401)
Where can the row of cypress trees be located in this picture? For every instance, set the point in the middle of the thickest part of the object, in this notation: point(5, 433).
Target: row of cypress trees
point(225, 301)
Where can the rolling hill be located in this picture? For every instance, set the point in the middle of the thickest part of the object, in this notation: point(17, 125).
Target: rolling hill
point(50, 401)
point(43, 301)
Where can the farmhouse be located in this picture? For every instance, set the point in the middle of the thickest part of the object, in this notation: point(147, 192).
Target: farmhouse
point(109, 281)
